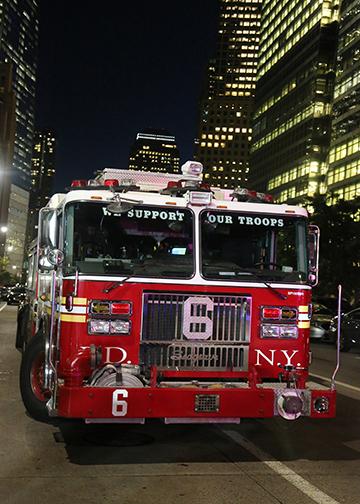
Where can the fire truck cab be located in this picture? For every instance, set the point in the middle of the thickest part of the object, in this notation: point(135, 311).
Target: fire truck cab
point(156, 296)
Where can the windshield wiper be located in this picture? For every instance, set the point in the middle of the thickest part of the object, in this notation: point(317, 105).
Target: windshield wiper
point(116, 284)
point(246, 271)
point(254, 275)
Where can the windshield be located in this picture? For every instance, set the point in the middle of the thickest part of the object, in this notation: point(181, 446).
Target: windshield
point(145, 241)
point(238, 245)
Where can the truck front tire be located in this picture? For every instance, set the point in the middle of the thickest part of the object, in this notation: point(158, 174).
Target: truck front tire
point(32, 390)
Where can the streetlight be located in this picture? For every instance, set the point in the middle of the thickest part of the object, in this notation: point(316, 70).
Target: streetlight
point(4, 229)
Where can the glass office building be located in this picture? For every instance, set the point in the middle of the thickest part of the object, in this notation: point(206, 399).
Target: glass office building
point(227, 104)
point(18, 45)
point(42, 176)
point(155, 150)
point(343, 178)
point(294, 94)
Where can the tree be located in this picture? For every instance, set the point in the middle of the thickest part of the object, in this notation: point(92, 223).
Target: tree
point(6, 278)
point(339, 225)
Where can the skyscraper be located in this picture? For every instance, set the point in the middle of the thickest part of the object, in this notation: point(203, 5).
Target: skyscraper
point(155, 150)
point(42, 176)
point(343, 177)
point(18, 46)
point(294, 93)
point(227, 105)
point(7, 135)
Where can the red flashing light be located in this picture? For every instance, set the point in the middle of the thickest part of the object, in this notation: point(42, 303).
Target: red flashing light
point(173, 183)
point(268, 198)
point(121, 308)
point(111, 182)
point(265, 198)
point(271, 313)
point(79, 183)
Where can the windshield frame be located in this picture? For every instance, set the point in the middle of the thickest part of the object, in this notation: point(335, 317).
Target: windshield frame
point(255, 275)
point(69, 271)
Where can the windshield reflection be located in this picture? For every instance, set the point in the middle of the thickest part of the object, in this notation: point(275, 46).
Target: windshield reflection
point(146, 241)
point(247, 246)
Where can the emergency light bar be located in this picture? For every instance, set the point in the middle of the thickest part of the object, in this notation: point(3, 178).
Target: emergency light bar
point(198, 198)
point(243, 194)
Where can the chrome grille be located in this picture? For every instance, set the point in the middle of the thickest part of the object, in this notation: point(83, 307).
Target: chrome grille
point(192, 331)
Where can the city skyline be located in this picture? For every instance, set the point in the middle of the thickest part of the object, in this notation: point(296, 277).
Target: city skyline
point(97, 93)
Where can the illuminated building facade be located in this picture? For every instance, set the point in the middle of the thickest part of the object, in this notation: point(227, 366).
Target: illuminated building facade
point(7, 136)
point(18, 47)
point(343, 176)
point(226, 108)
point(294, 93)
point(42, 176)
point(155, 150)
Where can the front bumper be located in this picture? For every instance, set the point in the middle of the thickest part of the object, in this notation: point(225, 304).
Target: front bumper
point(192, 403)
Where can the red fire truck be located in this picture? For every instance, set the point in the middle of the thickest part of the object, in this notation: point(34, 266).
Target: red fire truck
point(156, 296)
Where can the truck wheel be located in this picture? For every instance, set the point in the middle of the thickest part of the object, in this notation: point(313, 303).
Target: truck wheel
point(345, 343)
point(22, 326)
point(32, 390)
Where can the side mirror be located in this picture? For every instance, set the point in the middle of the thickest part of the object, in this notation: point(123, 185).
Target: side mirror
point(55, 257)
point(48, 237)
point(313, 252)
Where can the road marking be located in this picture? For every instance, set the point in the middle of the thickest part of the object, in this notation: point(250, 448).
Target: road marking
point(354, 445)
point(2, 307)
point(282, 470)
point(342, 384)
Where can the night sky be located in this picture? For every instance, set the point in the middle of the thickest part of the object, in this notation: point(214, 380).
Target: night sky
point(107, 70)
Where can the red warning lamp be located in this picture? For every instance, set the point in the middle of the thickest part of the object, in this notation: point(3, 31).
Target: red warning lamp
point(271, 313)
point(111, 182)
point(173, 183)
point(79, 183)
point(121, 308)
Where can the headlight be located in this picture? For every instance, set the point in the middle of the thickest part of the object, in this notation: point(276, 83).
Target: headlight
point(97, 326)
point(119, 327)
point(279, 331)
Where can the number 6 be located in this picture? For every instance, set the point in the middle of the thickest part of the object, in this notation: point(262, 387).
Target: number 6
point(119, 407)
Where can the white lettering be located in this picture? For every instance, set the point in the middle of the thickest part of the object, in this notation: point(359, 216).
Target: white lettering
point(273, 222)
point(270, 360)
point(172, 216)
point(197, 324)
point(249, 221)
point(241, 219)
point(288, 358)
point(155, 214)
point(211, 219)
point(115, 355)
point(257, 221)
point(130, 213)
point(119, 407)
point(280, 222)
point(266, 222)
point(228, 219)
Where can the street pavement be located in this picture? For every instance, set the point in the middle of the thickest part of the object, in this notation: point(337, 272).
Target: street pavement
point(256, 462)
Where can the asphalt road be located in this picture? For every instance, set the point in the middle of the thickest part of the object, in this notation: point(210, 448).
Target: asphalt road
point(258, 461)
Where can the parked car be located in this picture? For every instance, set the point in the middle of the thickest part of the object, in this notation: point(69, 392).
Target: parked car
point(332, 303)
point(350, 329)
point(3, 293)
point(15, 295)
point(320, 321)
